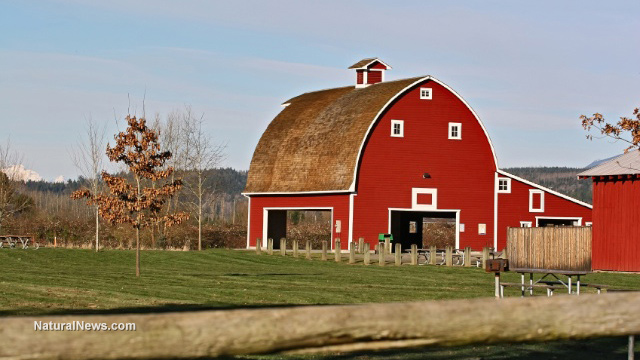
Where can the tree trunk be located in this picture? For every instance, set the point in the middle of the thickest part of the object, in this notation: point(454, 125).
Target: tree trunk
point(137, 252)
point(97, 230)
point(200, 222)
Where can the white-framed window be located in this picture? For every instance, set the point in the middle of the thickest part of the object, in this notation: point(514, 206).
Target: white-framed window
point(426, 93)
point(525, 223)
point(504, 185)
point(424, 198)
point(482, 229)
point(588, 223)
point(455, 131)
point(397, 128)
point(536, 200)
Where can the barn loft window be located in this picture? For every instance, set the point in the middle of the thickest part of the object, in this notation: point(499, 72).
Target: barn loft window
point(424, 198)
point(455, 131)
point(397, 128)
point(536, 200)
point(426, 93)
point(504, 185)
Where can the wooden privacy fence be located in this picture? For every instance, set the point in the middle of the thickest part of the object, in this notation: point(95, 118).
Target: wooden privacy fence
point(316, 329)
point(550, 248)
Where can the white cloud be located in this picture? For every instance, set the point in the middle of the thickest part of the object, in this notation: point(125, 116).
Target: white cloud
point(20, 173)
point(59, 179)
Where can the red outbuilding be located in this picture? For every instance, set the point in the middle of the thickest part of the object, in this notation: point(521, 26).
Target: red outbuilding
point(616, 213)
point(385, 156)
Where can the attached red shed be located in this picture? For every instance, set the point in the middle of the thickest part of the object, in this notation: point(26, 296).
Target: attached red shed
point(616, 213)
point(385, 156)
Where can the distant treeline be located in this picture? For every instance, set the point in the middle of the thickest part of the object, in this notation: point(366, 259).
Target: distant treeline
point(561, 179)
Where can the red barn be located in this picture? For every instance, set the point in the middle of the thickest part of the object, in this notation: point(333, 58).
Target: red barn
point(382, 156)
point(616, 214)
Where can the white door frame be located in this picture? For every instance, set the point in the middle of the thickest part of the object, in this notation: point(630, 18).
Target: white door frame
point(457, 211)
point(265, 218)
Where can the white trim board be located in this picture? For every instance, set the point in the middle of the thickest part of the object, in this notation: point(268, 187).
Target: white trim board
point(531, 194)
point(579, 219)
point(328, 192)
point(249, 223)
point(375, 119)
point(502, 172)
point(457, 211)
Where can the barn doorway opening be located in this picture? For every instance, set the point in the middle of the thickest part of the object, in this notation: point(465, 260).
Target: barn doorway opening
point(424, 228)
point(298, 224)
point(558, 221)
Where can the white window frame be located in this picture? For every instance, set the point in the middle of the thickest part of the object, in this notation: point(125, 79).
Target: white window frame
point(399, 122)
point(508, 184)
point(536, 191)
point(588, 223)
point(526, 223)
point(459, 126)
point(434, 198)
point(482, 229)
point(426, 97)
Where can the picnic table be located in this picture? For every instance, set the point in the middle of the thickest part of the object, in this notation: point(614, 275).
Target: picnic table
point(12, 240)
point(553, 274)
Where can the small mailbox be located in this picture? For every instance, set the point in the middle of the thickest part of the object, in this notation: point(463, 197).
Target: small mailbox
point(497, 265)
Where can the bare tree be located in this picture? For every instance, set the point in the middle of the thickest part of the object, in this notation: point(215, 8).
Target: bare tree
point(11, 202)
point(88, 156)
point(201, 156)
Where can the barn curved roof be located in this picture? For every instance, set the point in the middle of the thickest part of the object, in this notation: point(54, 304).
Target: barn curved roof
point(314, 144)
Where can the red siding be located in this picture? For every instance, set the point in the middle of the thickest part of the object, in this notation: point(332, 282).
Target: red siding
point(616, 225)
point(359, 76)
point(377, 65)
point(514, 207)
point(461, 170)
point(339, 203)
point(374, 77)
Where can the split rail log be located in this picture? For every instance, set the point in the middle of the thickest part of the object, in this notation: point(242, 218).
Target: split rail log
point(308, 249)
point(367, 254)
point(361, 245)
point(398, 254)
point(448, 256)
point(387, 246)
point(270, 246)
point(283, 246)
point(324, 251)
point(381, 254)
point(258, 244)
point(338, 251)
point(432, 255)
point(335, 328)
point(414, 254)
point(485, 257)
point(294, 243)
point(352, 253)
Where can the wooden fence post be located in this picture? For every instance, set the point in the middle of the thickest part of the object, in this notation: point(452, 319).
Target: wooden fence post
point(308, 249)
point(398, 254)
point(367, 254)
point(283, 246)
point(324, 251)
point(258, 244)
point(361, 245)
point(338, 251)
point(295, 248)
point(387, 246)
point(352, 253)
point(270, 246)
point(485, 257)
point(414, 254)
point(467, 256)
point(432, 255)
point(449, 256)
point(381, 254)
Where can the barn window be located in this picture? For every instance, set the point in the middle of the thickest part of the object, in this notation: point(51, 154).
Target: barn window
point(455, 131)
point(397, 128)
point(482, 229)
point(424, 199)
point(504, 185)
point(525, 223)
point(536, 200)
point(426, 93)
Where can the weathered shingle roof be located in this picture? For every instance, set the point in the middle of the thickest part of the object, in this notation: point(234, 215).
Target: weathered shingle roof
point(314, 143)
point(364, 62)
point(626, 164)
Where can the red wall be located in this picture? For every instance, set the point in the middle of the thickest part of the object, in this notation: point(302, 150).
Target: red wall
point(514, 207)
point(340, 204)
point(461, 170)
point(377, 65)
point(616, 225)
point(374, 77)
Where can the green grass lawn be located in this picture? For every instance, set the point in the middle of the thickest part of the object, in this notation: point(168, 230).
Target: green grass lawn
point(62, 281)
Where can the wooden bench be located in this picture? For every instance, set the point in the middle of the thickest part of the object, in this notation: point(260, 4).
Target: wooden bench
point(550, 288)
point(598, 287)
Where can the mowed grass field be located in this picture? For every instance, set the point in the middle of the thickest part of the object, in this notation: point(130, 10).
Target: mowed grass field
point(64, 281)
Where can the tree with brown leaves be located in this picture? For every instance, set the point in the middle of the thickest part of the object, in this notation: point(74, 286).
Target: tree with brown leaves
point(138, 148)
point(616, 131)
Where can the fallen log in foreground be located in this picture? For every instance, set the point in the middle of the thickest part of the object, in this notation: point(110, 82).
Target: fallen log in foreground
point(326, 328)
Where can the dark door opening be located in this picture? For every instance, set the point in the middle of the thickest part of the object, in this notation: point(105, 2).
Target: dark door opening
point(301, 225)
point(542, 222)
point(424, 228)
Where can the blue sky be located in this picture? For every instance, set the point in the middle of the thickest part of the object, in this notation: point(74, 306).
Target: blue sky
point(529, 69)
